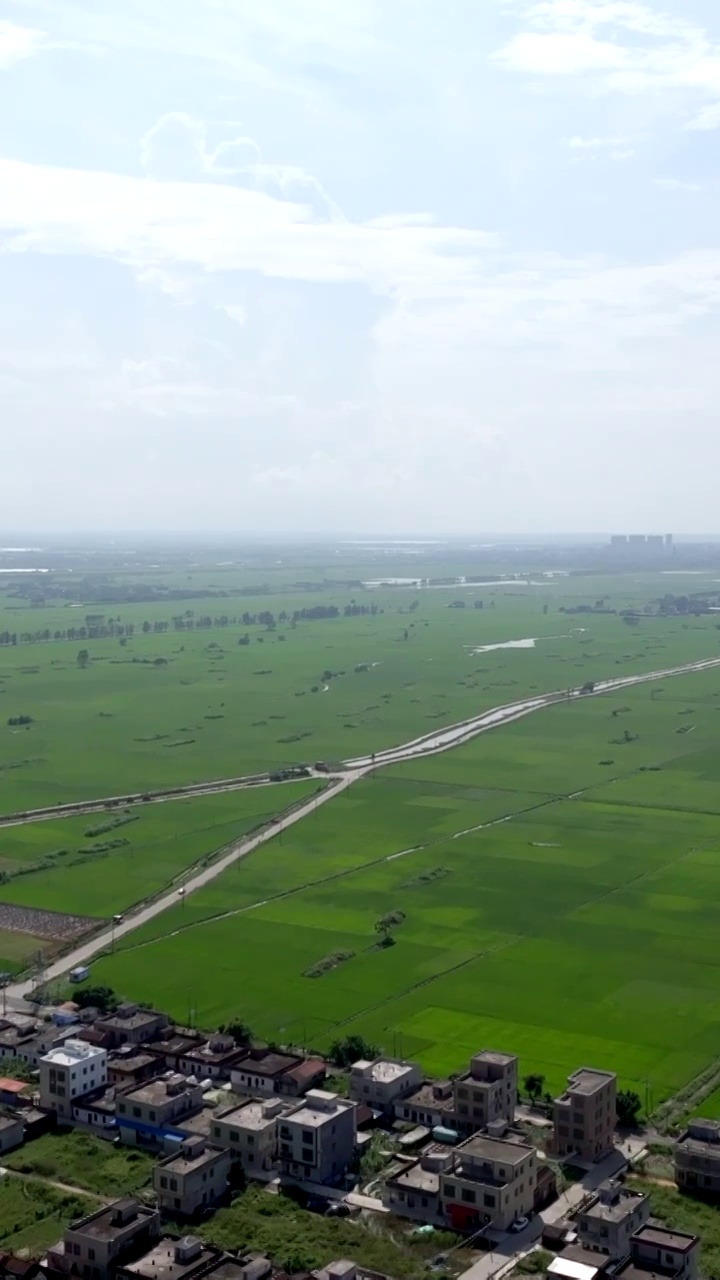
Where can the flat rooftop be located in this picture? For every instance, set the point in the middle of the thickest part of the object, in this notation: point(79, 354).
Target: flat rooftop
point(495, 1058)
point(495, 1150)
point(182, 1163)
point(383, 1070)
point(631, 1272)
point(654, 1234)
point(416, 1178)
point(626, 1204)
point(72, 1053)
point(425, 1097)
point(132, 1062)
point(154, 1091)
point(248, 1115)
point(103, 1225)
point(589, 1080)
point(179, 1043)
point(317, 1108)
point(9, 1122)
point(267, 1064)
point(128, 1021)
point(160, 1263)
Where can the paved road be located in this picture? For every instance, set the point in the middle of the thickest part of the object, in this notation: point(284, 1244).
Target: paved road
point(430, 744)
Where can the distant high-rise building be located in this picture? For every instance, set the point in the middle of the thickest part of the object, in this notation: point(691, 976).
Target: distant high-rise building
point(668, 540)
point(637, 540)
point(618, 540)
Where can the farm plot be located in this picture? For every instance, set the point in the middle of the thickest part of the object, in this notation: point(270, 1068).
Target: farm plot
point(581, 929)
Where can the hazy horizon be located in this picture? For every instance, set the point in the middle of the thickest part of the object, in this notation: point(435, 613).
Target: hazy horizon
point(332, 264)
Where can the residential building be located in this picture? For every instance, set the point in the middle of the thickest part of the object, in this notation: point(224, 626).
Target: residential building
point(381, 1082)
point(655, 1251)
point(317, 1139)
point(97, 1111)
point(414, 1192)
point(195, 1177)
point(263, 1072)
point(488, 1181)
point(487, 1092)
point(130, 1024)
point(249, 1131)
point(93, 1246)
point(12, 1132)
point(128, 1067)
point(173, 1044)
point(432, 1104)
point(346, 1269)
point(576, 1263)
point(585, 1115)
point(151, 1114)
point(697, 1159)
point(14, 1093)
point(212, 1059)
point(14, 1041)
point(615, 1213)
point(171, 1259)
point(69, 1072)
point(14, 1267)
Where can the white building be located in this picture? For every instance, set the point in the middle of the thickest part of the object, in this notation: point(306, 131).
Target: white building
point(68, 1072)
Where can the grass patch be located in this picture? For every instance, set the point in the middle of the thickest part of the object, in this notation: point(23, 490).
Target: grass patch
point(682, 1213)
point(84, 1161)
point(33, 1216)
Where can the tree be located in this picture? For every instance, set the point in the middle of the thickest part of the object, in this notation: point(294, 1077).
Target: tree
point(534, 1085)
point(102, 998)
point(83, 659)
point(351, 1049)
point(628, 1107)
point(239, 1030)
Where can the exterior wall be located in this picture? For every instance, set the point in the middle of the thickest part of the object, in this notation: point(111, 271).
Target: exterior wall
point(416, 1203)
point(256, 1149)
point(188, 1193)
point(319, 1152)
point(94, 1255)
point(612, 1238)
point(698, 1172)
point(124, 1032)
point(144, 1123)
point(368, 1086)
point(507, 1193)
point(12, 1135)
point(665, 1258)
point(488, 1091)
point(246, 1080)
point(62, 1083)
point(421, 1114)
point(585, 1122)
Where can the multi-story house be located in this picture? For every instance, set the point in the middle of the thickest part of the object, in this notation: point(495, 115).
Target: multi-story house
point(487, 1092)
point(614, 1214)
point(69, 1072)
point(212, 1059)
point(656, 1252)
point(151, 1114)
point(585, 1115)
point(192, 1179)
point(431, 1105)
point(317, 1139)
point(93, 1246)
point(380, 1083)
point(261, 1073)
point(129, 1066)
point(697, 1159)
point(130, 1024)
point(488, 1181)
point(249, 1131)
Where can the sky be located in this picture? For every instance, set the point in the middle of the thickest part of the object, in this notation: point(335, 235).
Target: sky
point(321, 265)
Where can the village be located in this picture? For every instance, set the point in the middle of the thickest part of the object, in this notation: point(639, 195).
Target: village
point(543, 1187)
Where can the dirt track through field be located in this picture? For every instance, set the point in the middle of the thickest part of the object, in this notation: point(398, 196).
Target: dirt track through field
point(419, 748)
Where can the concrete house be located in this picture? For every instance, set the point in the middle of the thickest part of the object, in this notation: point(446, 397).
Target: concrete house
point(317, 1139)
point(212, 1059)
point(172, 1045)
point(414, 1192)
point(129, 1066)
point(93, 1246)
point(130, 1024)
point(69, 1072)
point(585, 1115)
point(697, 1159)
point(380, 1083)
point(607, 1223)
point(487, 1092)
point(249, 1131)
point(654, 1252)
point(192, 1179)
point(262, 1073)
point(169, 1259)
point(431, 1105)
point(151, 1114)
point(488, 1181)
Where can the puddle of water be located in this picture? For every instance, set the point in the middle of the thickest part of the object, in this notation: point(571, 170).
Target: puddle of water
point(529, 643)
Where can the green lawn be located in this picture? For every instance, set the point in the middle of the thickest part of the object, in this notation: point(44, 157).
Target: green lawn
point(82, 1160)
point(33, 1216)
point(683, 1213)
point(580, 930)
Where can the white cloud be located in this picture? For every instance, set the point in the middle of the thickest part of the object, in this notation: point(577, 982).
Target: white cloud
point(17, 42)
point(708, 118)
point(676, 184)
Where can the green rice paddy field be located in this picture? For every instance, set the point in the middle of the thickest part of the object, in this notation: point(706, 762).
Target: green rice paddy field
point(162, 709)
point(581, 929)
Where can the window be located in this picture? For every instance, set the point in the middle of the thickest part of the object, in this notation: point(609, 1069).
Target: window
point(467, 1195)
point(234, 1137)
point(91, 1255)
point(251, 1140)
point(151, 1115)
point(307, 1155)
point(216, 1130)
point(489, 1200)
point(163, 1183)
point(463, 1109)
point(173, 1184)
point(577, 1133)
point(121, 1108)
point(307, 1136)
point(177, 1203)
point(137, 1112)
point(462, 1093)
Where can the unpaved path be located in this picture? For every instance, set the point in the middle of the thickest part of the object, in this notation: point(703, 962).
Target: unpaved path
point(430, 744)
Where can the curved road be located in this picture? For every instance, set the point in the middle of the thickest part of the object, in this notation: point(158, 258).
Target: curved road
point(429, 744)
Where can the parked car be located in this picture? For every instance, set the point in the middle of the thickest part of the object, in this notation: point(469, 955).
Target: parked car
point(520, 1224)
